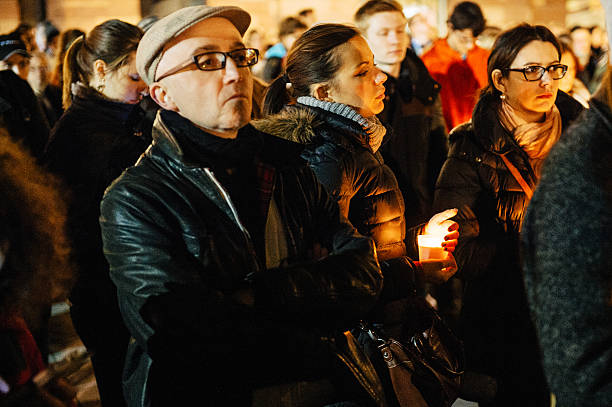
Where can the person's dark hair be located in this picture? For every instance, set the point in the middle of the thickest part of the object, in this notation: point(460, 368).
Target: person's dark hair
point(22, 28)
point(579, 27)
point(312, 59)
point(305, 12)
point(289, 25)
point(509, 43)
point(372, 7)
point(113, 42)
point(22, 32)
point(468, 15)
point(36, 270)
point(65, 40)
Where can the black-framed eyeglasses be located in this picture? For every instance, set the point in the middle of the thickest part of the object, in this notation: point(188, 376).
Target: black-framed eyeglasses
point(215, 60)
point(535, 72)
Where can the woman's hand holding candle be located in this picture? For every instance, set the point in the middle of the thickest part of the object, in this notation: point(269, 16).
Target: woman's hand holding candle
point(436, 247)
point(439, 271)
point(447, 230)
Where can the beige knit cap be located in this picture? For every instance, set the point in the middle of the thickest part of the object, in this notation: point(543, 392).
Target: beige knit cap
point(152, 44)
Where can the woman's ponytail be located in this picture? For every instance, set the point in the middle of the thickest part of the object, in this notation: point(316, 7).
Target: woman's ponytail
point(71, 71)
point(312, 59)
point(277, 95)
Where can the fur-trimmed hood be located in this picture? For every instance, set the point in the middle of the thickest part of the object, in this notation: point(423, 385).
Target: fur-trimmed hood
point(302, 124)
point(293, 124)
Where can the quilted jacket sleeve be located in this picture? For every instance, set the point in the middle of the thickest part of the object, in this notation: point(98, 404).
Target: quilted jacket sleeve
point(459, 186)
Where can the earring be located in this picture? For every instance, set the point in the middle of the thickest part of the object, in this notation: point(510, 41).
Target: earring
point(100, 86)
point(502, 96)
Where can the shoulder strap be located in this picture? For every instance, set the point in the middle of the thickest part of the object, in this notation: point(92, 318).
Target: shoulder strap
point(517, 175)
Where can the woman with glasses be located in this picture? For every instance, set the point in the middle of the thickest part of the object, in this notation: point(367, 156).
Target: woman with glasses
point(494, 164)
point(102, 131)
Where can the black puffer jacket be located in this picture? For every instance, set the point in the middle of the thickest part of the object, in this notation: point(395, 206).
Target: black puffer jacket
point(498, 333)
point(180, 256)
point(365, 188)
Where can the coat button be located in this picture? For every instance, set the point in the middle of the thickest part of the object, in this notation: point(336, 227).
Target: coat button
point(429, 98)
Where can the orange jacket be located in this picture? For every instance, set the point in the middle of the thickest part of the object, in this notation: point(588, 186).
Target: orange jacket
point(461, 79)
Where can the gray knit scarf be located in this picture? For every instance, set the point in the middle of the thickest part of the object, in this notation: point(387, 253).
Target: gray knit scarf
point(371, 125)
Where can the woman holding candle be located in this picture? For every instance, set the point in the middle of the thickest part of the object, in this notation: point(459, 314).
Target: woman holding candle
point(493, 165)
point(328, 100)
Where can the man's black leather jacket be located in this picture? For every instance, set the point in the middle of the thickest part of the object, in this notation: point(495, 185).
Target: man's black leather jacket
point(184, 267)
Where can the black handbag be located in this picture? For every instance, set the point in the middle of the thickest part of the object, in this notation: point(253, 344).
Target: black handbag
point(421, 364)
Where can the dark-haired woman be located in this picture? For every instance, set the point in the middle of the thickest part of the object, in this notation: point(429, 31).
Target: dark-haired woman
point(493, 166)
point(328, 100)
point(101, 133)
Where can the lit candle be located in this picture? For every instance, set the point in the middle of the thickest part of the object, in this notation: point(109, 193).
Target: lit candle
point(430, 247)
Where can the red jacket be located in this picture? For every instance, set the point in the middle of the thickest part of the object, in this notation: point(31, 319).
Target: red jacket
point(461, 79)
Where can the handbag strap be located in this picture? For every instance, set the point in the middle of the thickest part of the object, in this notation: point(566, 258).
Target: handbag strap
point(517, 175)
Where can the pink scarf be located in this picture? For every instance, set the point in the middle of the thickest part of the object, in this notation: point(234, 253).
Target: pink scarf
point(535, 138)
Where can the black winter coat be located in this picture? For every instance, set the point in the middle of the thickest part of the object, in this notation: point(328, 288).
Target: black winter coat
point(365, 188)
point(568, 267)
point(498, 333)
point(91, 144)
point(417, 144)
point(181, 257)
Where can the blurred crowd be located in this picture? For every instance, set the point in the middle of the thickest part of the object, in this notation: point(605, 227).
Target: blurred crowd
point(39, 57)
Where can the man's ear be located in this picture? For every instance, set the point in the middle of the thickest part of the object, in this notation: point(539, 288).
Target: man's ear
point(497, 78)
point(321, 92)
point(160, 95)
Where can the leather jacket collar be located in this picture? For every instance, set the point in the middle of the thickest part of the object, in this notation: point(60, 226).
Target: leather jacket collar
point(278, 152)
